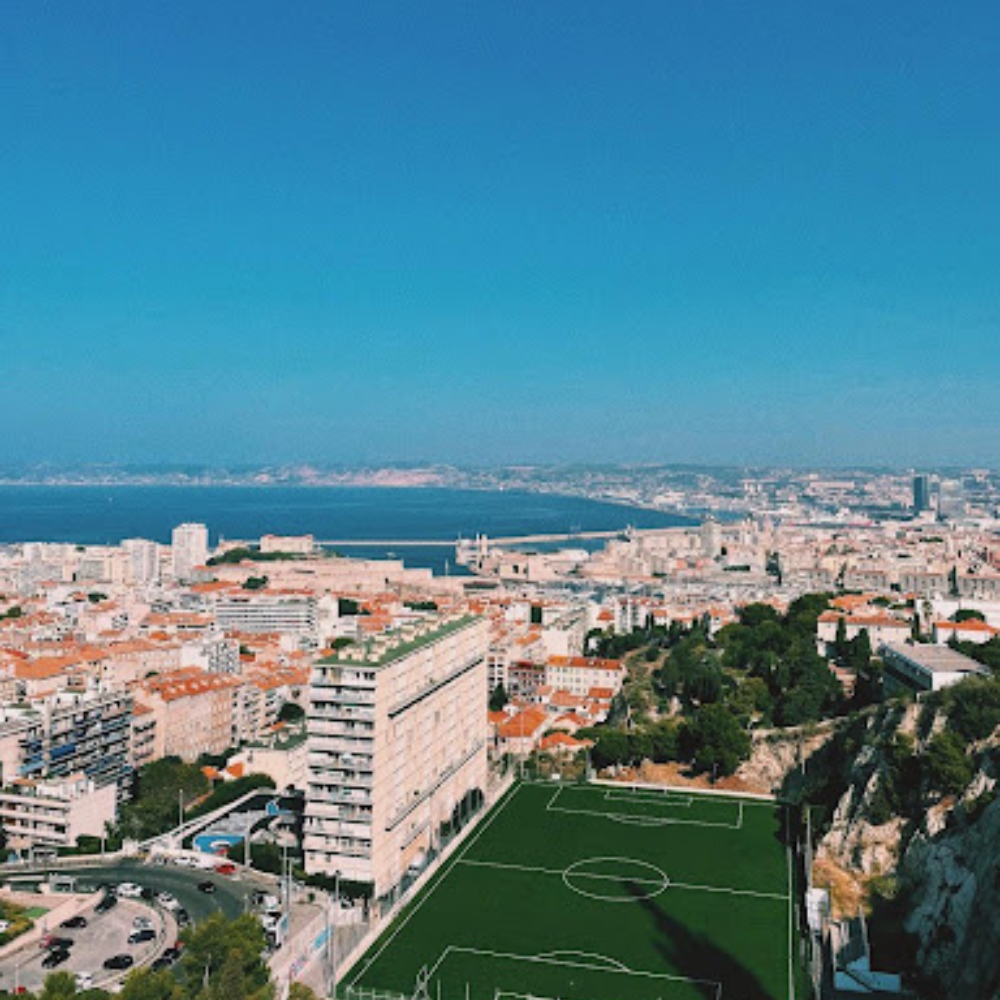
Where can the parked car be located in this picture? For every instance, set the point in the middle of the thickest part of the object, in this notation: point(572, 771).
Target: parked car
point(128, 890)
point(84, 981)
point(145, 934)
point(119, 962)
point(74, 922)
point(172, 954)
point(226, 868)
point(55, 957)
point(182, 917)
point(4, 926)
point(141, 923)
point(51, 941)
point(109, 902)
point(206, 886)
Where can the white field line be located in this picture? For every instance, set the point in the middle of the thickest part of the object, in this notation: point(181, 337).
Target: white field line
point(791, 911)
point(664, 798)
point(443, 875)
point(751, 798)
point(560, 873)
point(639, 819)
point(541, 960)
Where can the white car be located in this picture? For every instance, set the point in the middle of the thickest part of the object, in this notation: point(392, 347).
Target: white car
point(270, 921)
point(4, 926)
point(84, 981)
point(142, 924)
point(167, 901)
point(128, 890)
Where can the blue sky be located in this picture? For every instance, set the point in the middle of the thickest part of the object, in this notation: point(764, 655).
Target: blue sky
point(500, 231)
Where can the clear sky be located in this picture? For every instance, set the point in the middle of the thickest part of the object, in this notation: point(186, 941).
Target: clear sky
point(502, 230)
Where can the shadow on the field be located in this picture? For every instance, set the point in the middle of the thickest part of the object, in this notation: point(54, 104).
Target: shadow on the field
point(698, 958)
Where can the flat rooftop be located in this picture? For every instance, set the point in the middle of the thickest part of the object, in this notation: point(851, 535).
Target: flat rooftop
point(937, 659)
point(380, 650)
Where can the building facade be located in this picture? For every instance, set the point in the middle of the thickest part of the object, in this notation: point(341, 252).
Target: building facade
point(398, 737)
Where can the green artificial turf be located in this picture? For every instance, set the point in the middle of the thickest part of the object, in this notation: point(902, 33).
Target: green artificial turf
point(591, 893)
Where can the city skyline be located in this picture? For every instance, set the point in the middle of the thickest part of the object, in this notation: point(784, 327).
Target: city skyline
point(492, 235)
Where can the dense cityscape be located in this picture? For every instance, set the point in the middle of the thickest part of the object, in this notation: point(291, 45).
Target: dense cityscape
point(386, 707)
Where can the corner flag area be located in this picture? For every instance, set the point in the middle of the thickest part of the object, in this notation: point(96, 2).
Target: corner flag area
point(598, 892)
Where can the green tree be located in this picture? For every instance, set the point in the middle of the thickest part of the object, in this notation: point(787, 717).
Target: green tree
point(230, 982)
point(968, 614)
point(145, 984)
point(159, 788)
point(840, 642)
point(715, 740)
point(498, 698)
point(218, 944)
point(58, 986)
point(948, 767)
point(291, 712)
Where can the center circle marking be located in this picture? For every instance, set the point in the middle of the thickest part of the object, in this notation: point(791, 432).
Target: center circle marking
point(615, 879)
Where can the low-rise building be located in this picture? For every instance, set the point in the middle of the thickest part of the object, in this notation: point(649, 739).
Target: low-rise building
point(55, 813)
point(920, 668)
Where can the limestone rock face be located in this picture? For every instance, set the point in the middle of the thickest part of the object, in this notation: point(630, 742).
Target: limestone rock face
point(953, 878)
point(946, 862)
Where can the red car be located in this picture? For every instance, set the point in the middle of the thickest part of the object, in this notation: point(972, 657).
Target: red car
point(226, 868)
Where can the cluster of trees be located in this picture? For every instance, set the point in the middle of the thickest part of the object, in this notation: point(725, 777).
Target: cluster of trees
point(763, 670)
point(242, 554)
point(166, 785)
point(908, 778)
point(986, 653)
point(222, 960)
point(15, 611)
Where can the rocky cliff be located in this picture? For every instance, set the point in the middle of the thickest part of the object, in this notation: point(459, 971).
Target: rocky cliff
point(923, 861)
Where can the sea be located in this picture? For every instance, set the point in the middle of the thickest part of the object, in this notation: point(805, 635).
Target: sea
point(104, 515)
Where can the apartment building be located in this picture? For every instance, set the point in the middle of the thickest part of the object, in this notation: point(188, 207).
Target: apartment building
point(578, 674)
point(54, 813)
point(188, 549)
point(398, 736)
point(70, 733)
point(195, 712)
point(256, 613)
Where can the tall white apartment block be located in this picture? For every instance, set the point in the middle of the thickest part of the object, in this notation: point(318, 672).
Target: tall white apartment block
point(143, 560)
point(398, 738)
point(189, 548)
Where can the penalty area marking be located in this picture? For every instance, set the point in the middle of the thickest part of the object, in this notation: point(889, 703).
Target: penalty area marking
point(639, 820)
point(547, 959)
point(661, 798)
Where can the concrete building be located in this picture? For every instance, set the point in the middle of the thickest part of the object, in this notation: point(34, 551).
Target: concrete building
point(926, 668)
point(194, 712)
point(53, 813)
point(881, 628)
point(921, 494)
point(66, 734)
point(143, 560)
point(578, 674)
point(267, 613)
point(188, 549)
point(300, 545)
point(398, 738)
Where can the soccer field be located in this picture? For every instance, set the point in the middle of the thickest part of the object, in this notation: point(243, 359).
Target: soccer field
point(590, 892)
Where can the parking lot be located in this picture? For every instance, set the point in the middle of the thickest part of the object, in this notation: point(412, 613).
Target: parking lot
point(106, 934)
